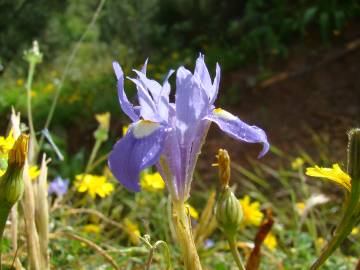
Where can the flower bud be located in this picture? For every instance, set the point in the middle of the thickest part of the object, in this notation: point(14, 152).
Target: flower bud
point(228, 212)
point(33, 55)
point(11, 183)
point(224, 167)
point(101, 134)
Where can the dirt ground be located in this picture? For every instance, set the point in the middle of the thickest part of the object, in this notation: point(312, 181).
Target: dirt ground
point(316, 91)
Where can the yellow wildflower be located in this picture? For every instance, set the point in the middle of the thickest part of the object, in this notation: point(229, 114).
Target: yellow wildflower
point(19, 82)
point(175, 55)
point(319, 242)
point(192, 211)
point(270, 241)
point(33, 93)
point(91, 228)
point(297, 163)
point(133, 230)
point(93, 184)
point(152, 182)
point(2, 172)
point(334, 174)
point(251, 211)
point(355, 231)
point(34, 172)
point(6, 144)
point(300, 207)
point(48, 88)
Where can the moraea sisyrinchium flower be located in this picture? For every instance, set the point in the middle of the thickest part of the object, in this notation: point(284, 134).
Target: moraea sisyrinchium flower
point(59, 186)
point(170, 135)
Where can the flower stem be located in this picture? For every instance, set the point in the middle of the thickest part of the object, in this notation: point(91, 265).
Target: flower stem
point(93, 155)
point(28, 104)
point(235, 252)
point(4, 213)
point(184, 236)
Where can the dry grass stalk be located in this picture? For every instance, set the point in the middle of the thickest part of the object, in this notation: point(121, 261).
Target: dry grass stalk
point(32, 237)
point(15, 124)
point(42, 214)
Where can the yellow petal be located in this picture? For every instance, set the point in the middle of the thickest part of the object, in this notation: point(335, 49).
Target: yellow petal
point(334, 174)
point(270, 241)
point(192, 211)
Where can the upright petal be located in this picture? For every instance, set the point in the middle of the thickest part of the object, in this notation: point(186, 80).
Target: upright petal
point(238, 129)
point(140, 148)
point(125, 105)
point(215, 85)
point(147, 107)
point(192, 103)
point(202, 71)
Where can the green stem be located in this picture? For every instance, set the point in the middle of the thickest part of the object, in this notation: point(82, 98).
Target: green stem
point(67, 68)
point(235, 252)
point(184, 237)
point(4, 213)
point(344, 228)
point(29, 107)
point(93, 154)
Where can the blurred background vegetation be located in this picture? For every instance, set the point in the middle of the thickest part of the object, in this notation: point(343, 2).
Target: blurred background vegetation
point(291, 67)
point(273, 56)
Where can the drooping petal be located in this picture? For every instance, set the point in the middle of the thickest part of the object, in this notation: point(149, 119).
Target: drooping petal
point(238, 129)
point(140, 148)
point(125, 105)
point(335, 174)
point(191, 101)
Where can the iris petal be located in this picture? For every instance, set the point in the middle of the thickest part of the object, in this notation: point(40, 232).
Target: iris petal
point(192, 103)
point(238, 129)
point(125, 105)
point(140, 148)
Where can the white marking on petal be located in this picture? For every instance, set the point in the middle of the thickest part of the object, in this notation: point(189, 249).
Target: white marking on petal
point(224, 114)
point(144, 128)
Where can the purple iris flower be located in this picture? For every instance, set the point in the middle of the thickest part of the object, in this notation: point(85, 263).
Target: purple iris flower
point(170, 135)
point(59, 186)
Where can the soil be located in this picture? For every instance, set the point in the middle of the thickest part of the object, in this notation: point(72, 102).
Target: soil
point(318, 94)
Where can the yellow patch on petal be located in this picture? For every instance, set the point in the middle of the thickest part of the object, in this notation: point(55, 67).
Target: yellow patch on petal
point(334, 174)
point(93, 185)
point(192, 211)
point(251, 211)
point(270, 241)
point(144, 128)
point(152, 182)
point(224, 114)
